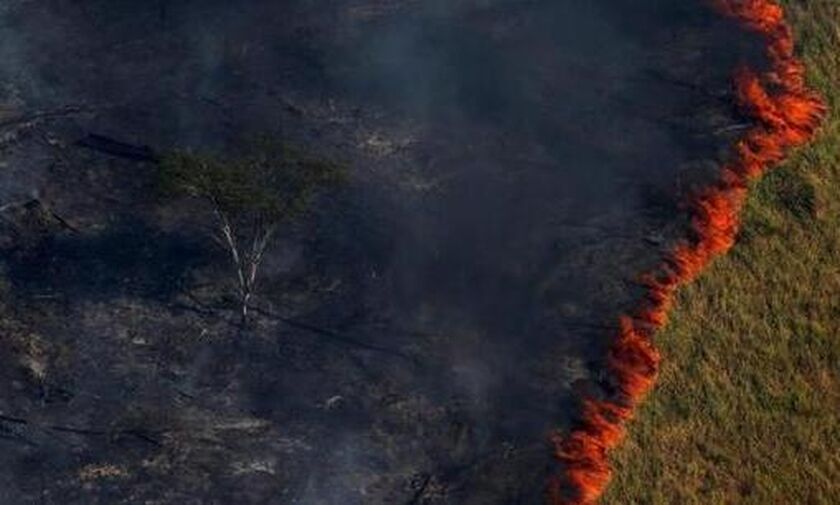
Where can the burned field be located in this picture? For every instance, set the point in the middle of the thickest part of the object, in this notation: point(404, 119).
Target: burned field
point(511, 167)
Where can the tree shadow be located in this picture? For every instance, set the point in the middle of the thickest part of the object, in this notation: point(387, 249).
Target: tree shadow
point(128, 258)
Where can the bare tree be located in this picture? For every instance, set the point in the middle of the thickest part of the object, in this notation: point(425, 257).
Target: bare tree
point(250, 195)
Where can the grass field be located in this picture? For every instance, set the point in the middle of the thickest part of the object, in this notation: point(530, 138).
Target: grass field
point(747, 409)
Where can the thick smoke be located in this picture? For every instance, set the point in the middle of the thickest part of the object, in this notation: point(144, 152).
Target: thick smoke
point(514, 165)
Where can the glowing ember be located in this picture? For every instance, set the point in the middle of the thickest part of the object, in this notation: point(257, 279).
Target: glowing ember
point(786, 114)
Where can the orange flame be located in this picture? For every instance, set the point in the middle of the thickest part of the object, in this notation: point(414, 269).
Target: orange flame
point(786, 115)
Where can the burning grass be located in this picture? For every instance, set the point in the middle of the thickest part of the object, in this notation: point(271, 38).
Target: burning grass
point(747, 408)
point(786, 115)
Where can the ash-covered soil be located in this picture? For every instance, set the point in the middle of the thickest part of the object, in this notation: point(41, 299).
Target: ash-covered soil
point(513, 166)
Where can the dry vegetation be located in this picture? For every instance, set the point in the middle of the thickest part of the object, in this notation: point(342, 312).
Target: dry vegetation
point(747, 409)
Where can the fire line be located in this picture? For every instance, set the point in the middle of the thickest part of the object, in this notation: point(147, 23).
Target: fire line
point(786, 115)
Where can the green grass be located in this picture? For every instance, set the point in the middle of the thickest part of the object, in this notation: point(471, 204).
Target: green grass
point(747, 409)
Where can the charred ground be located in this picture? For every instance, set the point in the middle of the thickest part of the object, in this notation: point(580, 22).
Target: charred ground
point(513, 165)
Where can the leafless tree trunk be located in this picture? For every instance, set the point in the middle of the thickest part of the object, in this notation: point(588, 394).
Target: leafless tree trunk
point(246, 262)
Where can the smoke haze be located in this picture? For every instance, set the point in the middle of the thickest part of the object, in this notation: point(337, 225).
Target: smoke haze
point(514, 165)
